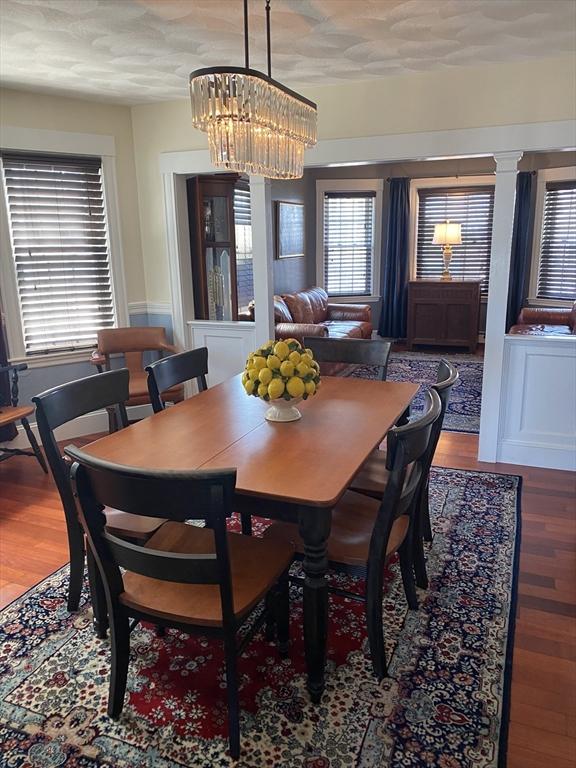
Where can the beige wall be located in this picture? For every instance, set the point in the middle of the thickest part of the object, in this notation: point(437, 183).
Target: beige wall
point(32, 110)
point(491, 95)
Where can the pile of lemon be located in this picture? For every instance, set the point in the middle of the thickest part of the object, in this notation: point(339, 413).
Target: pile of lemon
point(281, 369)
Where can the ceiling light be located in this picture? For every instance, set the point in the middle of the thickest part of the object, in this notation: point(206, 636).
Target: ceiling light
point(254, 124)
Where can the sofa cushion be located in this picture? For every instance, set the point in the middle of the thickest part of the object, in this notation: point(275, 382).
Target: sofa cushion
point(353, 329)
point(541, 330)
point(299, 307)
point(318, 299)
point(281, 311)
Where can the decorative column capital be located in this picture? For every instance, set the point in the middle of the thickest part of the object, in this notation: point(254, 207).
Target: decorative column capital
point(507, 162)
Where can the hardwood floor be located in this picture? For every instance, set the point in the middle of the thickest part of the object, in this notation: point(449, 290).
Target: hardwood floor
point(543, 709)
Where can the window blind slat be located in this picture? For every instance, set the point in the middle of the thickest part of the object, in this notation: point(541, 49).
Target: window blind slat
point(60, 248)
point(473, 208)
point(557, 269)
point(348, 243)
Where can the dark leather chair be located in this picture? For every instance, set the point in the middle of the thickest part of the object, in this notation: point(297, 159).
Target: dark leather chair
point(194, 579)
point(366, 532)
point(165, 375)
point(56, 407)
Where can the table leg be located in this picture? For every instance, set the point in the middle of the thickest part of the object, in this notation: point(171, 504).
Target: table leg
point(314, 526)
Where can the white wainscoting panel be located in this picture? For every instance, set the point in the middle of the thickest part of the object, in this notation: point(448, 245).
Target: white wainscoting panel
point(538, 402)
point(229, 344)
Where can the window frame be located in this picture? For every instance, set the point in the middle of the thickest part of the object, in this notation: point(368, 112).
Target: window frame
point(567, 173)
point(440, 182)
point(352, 186)
point(62, 143)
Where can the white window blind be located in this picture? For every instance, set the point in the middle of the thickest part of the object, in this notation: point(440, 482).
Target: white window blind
point(473, 208)
point(348, 243)
point(557, 271)
point(60, 248)
point(243, 235)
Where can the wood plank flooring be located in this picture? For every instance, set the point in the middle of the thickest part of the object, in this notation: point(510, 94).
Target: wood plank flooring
point(543, 710)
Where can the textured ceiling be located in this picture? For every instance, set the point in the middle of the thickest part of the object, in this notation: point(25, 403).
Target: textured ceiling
point(133, 51)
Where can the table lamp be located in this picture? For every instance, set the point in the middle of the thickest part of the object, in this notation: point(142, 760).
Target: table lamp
point(447, 234)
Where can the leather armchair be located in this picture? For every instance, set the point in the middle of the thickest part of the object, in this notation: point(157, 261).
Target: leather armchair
point(132, 343)
point(546, 321)
point(360, 312)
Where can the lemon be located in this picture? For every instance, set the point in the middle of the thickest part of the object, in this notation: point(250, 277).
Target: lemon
point(273, 362)
point(281, 350)
point(259, 363)
point(294, 357)
point(245, 377)
point(262, 390)
point(276, 389)
point(292, 342)
point(265, 376)
point(295, 387)
point(306, 358)
point(253, 374)
point(315, 365)
point(287, 369)
point(249, 387)
point(310, 387)
point(303, 369)
point(308, 351)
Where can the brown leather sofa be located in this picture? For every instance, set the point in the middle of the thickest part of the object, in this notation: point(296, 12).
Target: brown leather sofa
point(309, 313)
point(544, 321)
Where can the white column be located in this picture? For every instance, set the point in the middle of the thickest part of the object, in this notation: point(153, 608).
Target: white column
point(502, 226)
point(262, 255)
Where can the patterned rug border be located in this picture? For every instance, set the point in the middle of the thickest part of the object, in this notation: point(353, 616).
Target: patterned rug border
point(511, 628)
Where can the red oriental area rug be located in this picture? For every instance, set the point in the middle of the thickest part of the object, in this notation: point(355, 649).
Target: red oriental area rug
point(445, 703)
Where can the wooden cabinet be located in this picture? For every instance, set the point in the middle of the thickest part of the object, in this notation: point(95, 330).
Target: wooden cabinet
point(213, 245)
point(443, 313)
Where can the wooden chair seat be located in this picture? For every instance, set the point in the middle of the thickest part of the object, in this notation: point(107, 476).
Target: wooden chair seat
point(255, 565)
point(353, 520)
point(138, 388)
point(134, 527)
point(10, 413)
point(373, 475)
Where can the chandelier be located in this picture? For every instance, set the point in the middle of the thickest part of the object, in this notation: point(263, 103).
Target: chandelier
point(254, 123)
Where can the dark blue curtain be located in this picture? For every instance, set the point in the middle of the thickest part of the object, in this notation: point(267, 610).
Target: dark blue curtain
point(395, 262)
point(521, 245)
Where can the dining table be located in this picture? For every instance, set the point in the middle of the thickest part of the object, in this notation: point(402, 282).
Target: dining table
point(295, 471)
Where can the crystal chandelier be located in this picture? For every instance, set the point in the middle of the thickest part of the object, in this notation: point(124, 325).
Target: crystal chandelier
point(254, 123)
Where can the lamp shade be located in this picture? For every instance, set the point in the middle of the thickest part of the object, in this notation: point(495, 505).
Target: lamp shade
point(447, 233)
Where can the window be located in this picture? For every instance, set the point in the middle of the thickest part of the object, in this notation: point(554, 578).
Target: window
point(473, 208)
point(243, 235)
point(557, 268)
point(60, 249)
point(349, 243)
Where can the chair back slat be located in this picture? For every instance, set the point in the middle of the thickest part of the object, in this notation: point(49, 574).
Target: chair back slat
point(353, 351)
point(133, 339)
point(409, 442)
point(176, 369)
point(157, 564)
point(174, 495)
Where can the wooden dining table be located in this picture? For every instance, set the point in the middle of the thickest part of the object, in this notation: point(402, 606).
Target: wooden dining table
point(295, 471)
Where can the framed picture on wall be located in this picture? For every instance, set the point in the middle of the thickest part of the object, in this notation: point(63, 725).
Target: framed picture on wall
point(289, 230)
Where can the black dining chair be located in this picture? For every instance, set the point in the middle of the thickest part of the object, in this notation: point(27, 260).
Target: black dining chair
point(60, 405)
point(354, 351)
point(373, 475)
point(366, 532)
point(170, 371)
point(194, 579)
point(11, 412)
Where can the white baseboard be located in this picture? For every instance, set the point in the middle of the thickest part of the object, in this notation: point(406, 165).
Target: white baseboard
point(89, 424)
point(533, 454)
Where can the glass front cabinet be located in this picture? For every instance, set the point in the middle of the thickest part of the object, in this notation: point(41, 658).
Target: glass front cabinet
point(213, 246)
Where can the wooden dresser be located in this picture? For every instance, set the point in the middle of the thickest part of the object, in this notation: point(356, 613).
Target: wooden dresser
point(443, 313)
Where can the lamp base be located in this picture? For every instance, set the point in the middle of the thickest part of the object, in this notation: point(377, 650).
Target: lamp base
point(446, 275)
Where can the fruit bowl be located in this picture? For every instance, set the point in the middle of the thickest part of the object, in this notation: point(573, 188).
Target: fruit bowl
point(282, 373)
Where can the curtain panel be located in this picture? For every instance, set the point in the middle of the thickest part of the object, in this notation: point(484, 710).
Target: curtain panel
point(395, 269)
point(8, 432)
point(521, 256)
